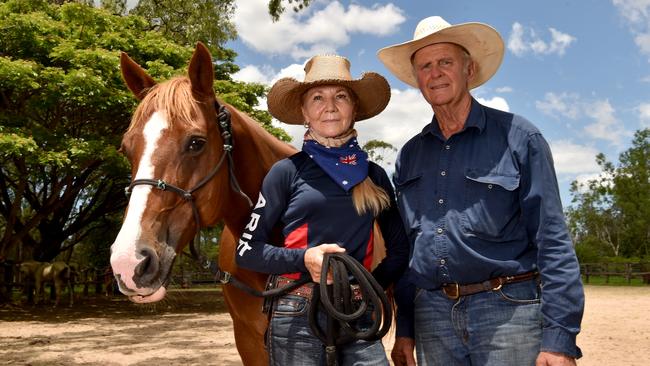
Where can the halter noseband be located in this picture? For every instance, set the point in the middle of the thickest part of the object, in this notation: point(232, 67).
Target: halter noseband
point(225, 126)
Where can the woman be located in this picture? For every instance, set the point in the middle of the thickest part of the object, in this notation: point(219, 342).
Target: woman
point(325, 199)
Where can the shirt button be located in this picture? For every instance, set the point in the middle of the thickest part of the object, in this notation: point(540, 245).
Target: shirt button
point(447, 147)
point(441, 201)
point(442, 261)
point(443, 173)
point(439, 230)
point(489, 186)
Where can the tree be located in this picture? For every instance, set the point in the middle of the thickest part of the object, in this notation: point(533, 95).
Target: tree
point(611, 215)
point(276, 8)
point(187, 22)
point(63, 109)
point(378, 149)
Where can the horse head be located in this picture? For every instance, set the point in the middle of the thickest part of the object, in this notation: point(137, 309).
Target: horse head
point(174, 144)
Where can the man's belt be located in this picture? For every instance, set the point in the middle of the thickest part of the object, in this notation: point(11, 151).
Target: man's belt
point(454, 290)
point(306, 289)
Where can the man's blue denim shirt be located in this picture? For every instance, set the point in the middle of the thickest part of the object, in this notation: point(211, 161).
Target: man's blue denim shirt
point(482, 204)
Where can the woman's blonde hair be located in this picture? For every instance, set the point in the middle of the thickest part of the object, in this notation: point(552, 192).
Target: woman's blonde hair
point(368, 197)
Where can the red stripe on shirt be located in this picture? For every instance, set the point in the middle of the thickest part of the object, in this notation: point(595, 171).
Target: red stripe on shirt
point(296, 239)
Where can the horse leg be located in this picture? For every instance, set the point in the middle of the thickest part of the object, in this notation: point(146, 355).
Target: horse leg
point(71, 290)
point(249, 324)
point(38, 291)
point(58, 287)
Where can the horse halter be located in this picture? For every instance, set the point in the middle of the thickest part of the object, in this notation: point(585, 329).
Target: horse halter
point(225, 126)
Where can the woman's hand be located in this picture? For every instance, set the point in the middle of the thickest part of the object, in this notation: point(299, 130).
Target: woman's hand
point(314, 260)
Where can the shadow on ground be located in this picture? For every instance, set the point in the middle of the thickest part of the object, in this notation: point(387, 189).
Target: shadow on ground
point(208, 300)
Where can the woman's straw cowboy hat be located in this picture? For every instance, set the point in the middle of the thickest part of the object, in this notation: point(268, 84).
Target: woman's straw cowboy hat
point(483, 43)
point(285, 98)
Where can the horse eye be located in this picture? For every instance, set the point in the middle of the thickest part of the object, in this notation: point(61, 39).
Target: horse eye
point(195, 144)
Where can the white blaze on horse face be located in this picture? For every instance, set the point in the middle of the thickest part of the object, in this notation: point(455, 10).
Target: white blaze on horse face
point(124, 256)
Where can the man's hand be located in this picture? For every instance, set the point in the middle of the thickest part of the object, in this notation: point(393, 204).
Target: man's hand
point(554, 359)
point(314, 259)
point(402, 353)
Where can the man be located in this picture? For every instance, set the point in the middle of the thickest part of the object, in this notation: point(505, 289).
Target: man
point(492, 261)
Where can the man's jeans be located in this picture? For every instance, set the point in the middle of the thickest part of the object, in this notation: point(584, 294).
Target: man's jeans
point(290, 340)
point(502, 327)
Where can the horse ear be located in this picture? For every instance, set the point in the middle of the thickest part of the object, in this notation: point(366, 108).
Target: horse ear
point(201, 71)
point(137, 80)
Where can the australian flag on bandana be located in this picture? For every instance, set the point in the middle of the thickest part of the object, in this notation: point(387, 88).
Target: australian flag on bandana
point(347, 165)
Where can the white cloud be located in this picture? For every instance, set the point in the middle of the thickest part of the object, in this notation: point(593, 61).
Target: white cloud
point(644, 114)
point(267, 75)
point(252, 74)
point(637, 15)
point(605, 125)
point(565, 104)
point(571, 158)
point(321, 28)
point(635, 11)
point(522, 41)
point(504, 89)
point(495, 102)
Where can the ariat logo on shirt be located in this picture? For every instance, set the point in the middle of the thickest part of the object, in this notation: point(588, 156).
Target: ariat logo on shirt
point(243, 245)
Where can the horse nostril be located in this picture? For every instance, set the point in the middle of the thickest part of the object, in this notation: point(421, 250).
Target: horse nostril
point(146, 272)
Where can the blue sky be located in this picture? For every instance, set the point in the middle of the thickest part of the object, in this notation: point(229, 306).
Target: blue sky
point(579, 70)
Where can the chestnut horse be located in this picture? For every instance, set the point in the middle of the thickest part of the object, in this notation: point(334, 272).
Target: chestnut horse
point(175, 141)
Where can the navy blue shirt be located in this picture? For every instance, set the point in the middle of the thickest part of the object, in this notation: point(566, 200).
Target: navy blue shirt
point(311, 209)
point(485, 203)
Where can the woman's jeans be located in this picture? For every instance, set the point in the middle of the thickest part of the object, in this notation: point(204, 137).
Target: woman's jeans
point(502, 327)
point(290, 340)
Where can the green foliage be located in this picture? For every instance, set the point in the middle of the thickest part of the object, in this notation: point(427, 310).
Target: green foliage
point(377, 150)
point(187, 22)
point(610, 215)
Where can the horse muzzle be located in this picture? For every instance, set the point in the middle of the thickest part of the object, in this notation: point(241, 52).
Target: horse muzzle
point(143, 273)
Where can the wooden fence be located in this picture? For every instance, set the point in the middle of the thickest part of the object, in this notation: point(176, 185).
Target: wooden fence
point(625, 270)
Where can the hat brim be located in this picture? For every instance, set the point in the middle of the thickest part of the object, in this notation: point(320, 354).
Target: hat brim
point(284, 100)
point(483, 43)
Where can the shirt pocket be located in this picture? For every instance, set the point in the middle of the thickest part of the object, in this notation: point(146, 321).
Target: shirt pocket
point(492, 202)
point(408, 192)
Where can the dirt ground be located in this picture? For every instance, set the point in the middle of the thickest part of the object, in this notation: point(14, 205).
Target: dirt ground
point(191, 327)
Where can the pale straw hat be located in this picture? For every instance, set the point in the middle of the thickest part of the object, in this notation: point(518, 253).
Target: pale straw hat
point(285, 97)
point(483, 43)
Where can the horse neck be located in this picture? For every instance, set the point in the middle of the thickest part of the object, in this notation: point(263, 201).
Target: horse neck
point(255, 151)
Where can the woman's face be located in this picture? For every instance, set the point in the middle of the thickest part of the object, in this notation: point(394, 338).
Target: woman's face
point(329, 109)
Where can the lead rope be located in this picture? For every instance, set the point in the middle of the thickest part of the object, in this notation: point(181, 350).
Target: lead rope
point(339, 309)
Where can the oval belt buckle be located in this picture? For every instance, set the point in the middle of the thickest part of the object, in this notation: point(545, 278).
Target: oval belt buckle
point(456, 293)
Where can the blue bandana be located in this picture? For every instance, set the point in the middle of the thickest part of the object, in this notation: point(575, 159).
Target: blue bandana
point(347, 165)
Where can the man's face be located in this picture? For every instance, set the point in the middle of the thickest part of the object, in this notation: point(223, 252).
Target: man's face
point(443, 72)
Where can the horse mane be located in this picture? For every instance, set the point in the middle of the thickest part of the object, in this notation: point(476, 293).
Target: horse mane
point(270, 148)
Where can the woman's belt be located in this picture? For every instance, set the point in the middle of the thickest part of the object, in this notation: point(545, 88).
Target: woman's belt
point(307, 289)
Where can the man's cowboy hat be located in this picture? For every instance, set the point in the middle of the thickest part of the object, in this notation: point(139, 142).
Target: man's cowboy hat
point(285, 98)
point(483, 43)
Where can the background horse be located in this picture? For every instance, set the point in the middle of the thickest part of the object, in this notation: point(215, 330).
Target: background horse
point(36, 274)
point(174, 139)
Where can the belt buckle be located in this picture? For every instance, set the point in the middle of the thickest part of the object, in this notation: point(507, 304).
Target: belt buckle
point(456, 288)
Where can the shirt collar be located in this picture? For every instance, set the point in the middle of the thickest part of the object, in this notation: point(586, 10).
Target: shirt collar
point(476, 119)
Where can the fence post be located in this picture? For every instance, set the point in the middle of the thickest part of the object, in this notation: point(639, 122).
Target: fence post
point(628, 272)
point(606, 272)
point(586, 273)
